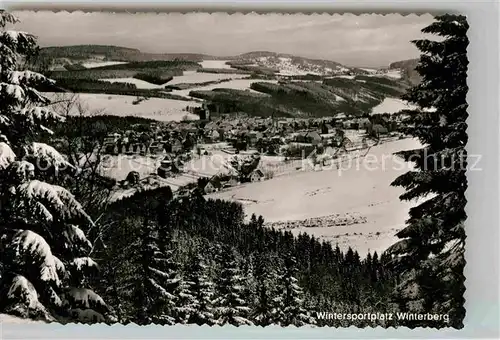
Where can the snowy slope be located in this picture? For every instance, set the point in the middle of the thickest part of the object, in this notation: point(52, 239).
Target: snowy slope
point(359, 189)
point(292, 65)
point(391, 105)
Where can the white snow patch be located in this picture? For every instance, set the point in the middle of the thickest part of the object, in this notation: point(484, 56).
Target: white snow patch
point(215, 64)
point(94, 64)
point(345, 77)
point(369, 70)
point(202, 77)
point(140, 84)
point(238, 84)
point(49, 154)
point(392, 105)
point(154, 108)
point(395, 74)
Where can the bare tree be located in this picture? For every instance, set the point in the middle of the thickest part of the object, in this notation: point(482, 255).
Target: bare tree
point(82, 141)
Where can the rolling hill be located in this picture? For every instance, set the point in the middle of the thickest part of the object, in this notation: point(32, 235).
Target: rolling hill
point(407, 68)
point(116, 53)
point(284, 64)
point(285, 85)
point(334, 95)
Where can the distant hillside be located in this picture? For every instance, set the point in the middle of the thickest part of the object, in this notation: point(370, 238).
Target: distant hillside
point(353, 97)
point(286, 64)
point(115, 53)
point(266, 61)
point(407, 68)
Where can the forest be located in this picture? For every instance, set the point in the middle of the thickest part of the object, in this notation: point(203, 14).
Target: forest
point(68, 253)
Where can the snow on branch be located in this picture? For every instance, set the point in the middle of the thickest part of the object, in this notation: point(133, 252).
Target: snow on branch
point(29, 245)
point(20, 171)
point(7, 156)
point(16, 92)
point(28, 78)
point(46, 153)
point(7, 18)
point(84, 298)
point(85, 264)
point(22, 300)
point(54, 198)
point(40, 115)
point(74, 235)
point(23, 290)
point(4, 120)
point(21, 42)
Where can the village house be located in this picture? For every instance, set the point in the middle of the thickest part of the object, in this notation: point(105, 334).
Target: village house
point(377, 130)
point(327, 128)
point(212, 136)
point(112, 138)
point(232, 181)
point(256, 175)
point(156, 147)
point(212, 186)
point(313, 137)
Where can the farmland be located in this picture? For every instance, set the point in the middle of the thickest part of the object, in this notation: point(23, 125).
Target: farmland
point(154, 108)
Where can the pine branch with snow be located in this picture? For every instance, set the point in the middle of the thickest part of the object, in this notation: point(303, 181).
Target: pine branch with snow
point(44, 249)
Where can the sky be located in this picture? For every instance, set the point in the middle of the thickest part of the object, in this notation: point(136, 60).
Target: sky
point(369, 40)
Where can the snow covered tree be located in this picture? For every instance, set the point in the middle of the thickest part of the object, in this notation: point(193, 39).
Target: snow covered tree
point(152, 299)
point(201, 290)
point(290, 310)
point(430, 254)
point(185, 302)
point(231, 308)
point(43, 247)
point(266, 280)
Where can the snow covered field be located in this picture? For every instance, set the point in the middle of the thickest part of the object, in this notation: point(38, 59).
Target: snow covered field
point(395, 74)
point(94, 64)
point(201, 77)
point(391, 105)
point(215, 64)
point(239, 84)
point(154, 108)
point(140, 84)
point(361, 188)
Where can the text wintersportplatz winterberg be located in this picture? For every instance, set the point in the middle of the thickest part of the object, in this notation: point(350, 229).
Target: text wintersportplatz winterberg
point(383, 316)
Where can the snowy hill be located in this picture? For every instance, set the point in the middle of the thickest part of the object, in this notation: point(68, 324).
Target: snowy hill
point(286, 64)
point(407, 69)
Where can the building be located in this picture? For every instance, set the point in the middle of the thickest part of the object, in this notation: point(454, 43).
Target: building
point(212, 186)
point(314, 137)
point(256, 176)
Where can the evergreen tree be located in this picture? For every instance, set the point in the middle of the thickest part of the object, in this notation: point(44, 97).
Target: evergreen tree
point(185, 302)
point(231, 307)
point(43, 247)
point(293, 311)
point(266, 280)
point(153, 298)
point(430, 254)
point(172, 280)
point(202, 290)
